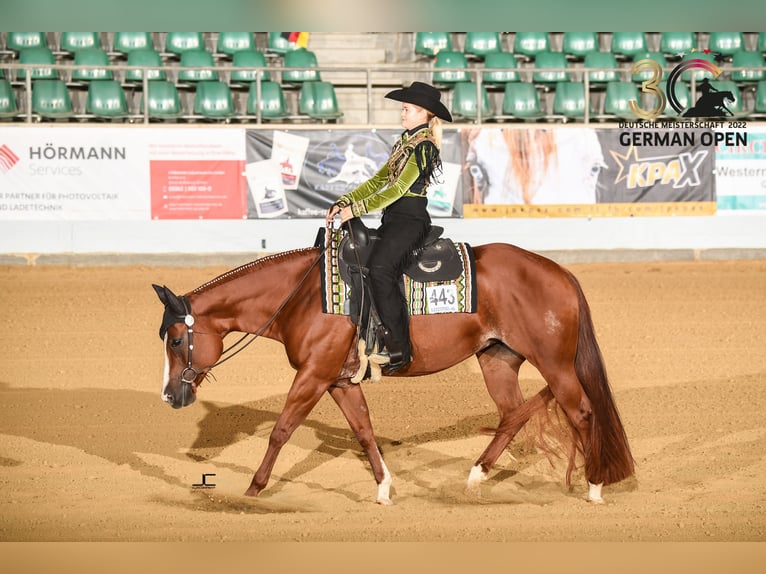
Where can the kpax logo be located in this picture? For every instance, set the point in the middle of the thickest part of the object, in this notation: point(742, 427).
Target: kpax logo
point(7, 159)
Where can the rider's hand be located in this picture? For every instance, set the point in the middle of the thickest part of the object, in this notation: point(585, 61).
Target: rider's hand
point(331, 213)
point(346, 214)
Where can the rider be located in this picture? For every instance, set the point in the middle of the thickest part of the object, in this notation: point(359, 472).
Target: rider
point(706, 88)
point(399, 189)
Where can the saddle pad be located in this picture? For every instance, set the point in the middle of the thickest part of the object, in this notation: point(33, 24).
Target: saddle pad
point(430, 298)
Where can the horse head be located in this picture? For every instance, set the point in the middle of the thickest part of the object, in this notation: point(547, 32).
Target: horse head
point(191, 348)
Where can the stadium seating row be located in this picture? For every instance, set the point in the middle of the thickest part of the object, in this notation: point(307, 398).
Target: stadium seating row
point(212, 100)
point(522, 101)
point(576, 45)
point(600, 67)
point(123, 43)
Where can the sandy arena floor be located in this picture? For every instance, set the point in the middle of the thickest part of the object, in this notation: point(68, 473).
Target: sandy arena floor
point(90, 453)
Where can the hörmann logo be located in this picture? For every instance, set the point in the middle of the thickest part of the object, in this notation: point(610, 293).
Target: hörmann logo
point(7, 158)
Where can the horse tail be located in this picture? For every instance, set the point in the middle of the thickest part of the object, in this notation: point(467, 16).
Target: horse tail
point(607, 457)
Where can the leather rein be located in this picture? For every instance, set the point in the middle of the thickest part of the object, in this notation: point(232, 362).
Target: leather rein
point(232, 350)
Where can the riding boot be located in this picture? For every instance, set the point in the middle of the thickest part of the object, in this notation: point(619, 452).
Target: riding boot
point(396, 354)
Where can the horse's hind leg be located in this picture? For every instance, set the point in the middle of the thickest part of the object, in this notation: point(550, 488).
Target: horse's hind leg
point(352, 403)
point(571, 397)
point(500, 368)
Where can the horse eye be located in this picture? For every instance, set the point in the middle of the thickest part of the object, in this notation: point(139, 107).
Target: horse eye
point(176, 342)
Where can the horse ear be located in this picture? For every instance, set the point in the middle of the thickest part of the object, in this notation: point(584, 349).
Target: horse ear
point(170, 299)
point(161, 293)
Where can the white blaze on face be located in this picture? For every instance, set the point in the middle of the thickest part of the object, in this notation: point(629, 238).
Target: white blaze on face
point(166, 371)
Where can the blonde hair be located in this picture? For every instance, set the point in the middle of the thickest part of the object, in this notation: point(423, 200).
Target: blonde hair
point(435, 127)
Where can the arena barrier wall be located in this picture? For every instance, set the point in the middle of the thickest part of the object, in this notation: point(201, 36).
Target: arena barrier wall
point(70, 191)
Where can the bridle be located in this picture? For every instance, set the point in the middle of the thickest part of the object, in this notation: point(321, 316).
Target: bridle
point(232, 350)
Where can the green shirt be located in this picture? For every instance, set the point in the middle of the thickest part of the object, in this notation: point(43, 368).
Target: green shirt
point(378, 192)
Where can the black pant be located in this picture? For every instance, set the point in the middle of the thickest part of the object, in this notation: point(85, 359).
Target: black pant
point(404, 226)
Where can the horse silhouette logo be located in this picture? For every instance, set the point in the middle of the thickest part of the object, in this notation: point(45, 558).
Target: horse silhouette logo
point(712, 102)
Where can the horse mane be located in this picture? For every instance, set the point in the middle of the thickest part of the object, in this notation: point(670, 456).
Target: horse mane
point(250, 267)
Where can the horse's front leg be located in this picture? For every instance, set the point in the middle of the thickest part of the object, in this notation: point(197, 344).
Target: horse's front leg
point(304, 394)
point(352, 403)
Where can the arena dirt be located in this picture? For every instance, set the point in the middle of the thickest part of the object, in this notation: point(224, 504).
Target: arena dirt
point(90, 453)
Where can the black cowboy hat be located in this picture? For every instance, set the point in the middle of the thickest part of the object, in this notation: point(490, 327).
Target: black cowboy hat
point(423, 95)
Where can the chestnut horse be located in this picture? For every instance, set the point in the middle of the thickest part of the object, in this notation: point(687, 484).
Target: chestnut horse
point(529, 309)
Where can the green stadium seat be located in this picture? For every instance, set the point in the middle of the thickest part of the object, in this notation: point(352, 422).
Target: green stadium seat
point(318, 101)
point(760, 98)
point(683, 95)
point(546, 63)
point(480, 44)
point(91, 57)
point(429, 44)
point(8, 106)
point(229, 43)
point(51, 99)
point(629, 45)
point(465, 103)
point(646, 74)
point(306, 63)
point(617, 99)
point(106, 99)
point(521, 100)
point(448, 59)
point(697, 73)
point(125, 42)
point(72, 42)
point(736, 106)
point(750, 61)
point(761, 47)
point(212, 99)
point(276, 44)
point(245, 59)
point(605, 60)
point(675, 44)
point(530, 44)
point(197, 59)
point(41, 56)
point(177, 43)
point(570, 100)
point(577, 45)
point(18, 41)
point(162, 101)
point(506, 68)
point(272, 102)
point(726, 43)
point(148, 58)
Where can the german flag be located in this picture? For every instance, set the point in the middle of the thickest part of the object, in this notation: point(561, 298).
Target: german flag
point(298, 38)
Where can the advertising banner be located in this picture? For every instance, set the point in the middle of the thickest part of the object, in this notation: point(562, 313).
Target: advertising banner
point(741, 174)
point(197, 174)
point(315, 167)
point(73, 174)
point(585, 172)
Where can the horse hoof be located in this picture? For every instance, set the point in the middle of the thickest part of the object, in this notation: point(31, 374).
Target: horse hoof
point(384, 502)
point(252, 491)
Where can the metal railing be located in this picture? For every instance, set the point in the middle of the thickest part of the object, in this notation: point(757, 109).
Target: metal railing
point(369, 78)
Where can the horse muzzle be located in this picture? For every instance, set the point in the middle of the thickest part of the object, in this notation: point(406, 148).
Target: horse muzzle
point(184, 395)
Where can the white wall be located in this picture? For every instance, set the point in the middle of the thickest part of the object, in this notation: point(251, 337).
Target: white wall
point(163, 236)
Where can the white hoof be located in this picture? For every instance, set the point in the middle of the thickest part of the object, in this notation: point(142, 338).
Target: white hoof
point(594, 493)
point(384, 488)
point(475, 478)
